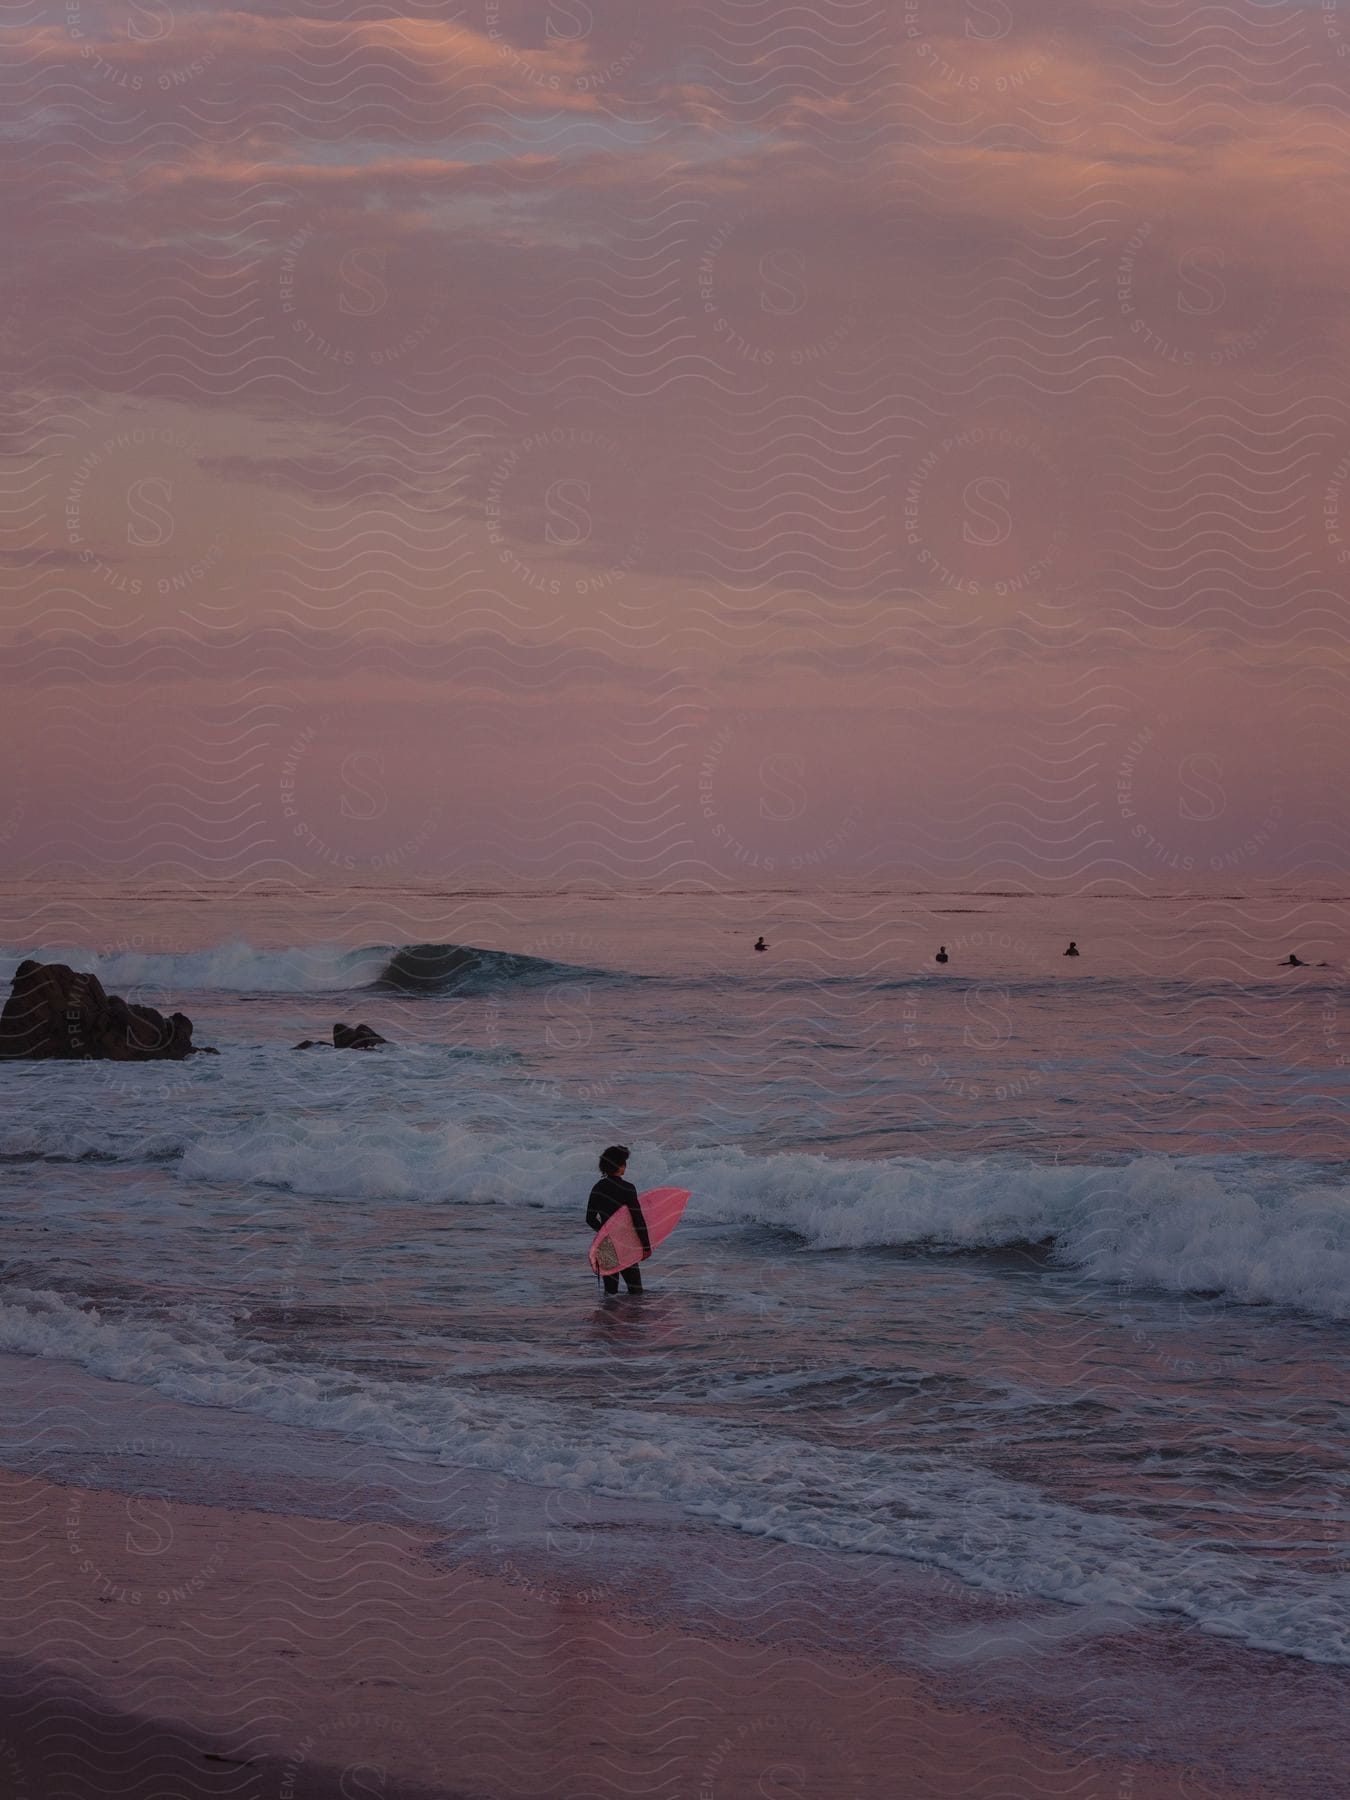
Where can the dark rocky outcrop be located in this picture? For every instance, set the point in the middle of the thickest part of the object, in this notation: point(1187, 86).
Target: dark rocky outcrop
point(356, 1037)
point(55, 1011)
point(346, 1037)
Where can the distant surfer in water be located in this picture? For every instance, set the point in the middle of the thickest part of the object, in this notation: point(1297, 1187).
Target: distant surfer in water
point(1295, 962)
point(607, 1196)
point(942, 954)
point(760, 944)
point(1073, 947)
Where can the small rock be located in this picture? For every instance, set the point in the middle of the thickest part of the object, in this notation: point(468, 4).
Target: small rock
point(356, 1037)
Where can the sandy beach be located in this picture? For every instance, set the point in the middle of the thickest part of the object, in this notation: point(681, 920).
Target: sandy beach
point(283, 1656)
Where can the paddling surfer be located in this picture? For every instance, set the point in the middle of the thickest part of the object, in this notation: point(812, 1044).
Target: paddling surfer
point(607, 1196)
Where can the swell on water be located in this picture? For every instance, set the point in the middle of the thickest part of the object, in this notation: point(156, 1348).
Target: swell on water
point(1253, 1229)
point(461, 968)
point(241, 968)
point(1241, 1229)
point(434, 970)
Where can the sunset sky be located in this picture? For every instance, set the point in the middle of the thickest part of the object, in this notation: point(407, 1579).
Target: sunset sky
point(571, 438)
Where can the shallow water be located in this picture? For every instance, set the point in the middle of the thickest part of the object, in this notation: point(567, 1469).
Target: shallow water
point(1032, 1273)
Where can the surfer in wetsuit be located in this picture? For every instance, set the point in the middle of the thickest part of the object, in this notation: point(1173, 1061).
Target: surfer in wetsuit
point(941, 956)
point(1073, 947)
point(760, 944)
point(1295, 962)
point(607, 1196)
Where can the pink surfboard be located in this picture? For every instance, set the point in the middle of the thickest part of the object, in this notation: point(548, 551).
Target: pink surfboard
point(616, 1245)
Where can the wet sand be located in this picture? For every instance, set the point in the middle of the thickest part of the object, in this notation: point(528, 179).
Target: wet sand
point(157, 1646)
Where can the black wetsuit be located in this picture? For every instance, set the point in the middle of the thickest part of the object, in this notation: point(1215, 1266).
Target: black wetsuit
point(607, 1196)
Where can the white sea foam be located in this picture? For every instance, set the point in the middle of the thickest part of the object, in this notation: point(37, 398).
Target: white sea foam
point(236, 968)
point(133, 968)
point(1245, 1229)
point(998, 1535)
point(1250, 1229)
point(1241, 1227)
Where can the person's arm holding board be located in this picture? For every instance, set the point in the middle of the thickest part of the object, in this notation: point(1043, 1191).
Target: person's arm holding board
point(634, 1205)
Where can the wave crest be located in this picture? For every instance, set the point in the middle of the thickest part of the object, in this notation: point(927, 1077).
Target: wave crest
point(242, 968)
point(461, 968)
point(1243, 1230)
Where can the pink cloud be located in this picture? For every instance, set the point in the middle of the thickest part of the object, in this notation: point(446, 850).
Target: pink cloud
point(986, 375)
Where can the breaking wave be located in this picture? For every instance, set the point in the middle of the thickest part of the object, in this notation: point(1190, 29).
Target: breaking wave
point(1240, 1229)
point(999, 1535)
point(240, 968)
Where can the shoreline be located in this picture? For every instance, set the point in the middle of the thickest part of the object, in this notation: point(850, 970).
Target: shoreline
point(364, 1645)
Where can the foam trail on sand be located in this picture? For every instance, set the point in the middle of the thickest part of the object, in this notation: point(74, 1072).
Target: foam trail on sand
point(996, 1534)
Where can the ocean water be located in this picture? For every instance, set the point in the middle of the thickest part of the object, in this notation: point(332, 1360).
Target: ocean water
point(1029, 1272)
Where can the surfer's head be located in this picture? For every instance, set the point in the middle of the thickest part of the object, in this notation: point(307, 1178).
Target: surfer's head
point(614, 1160)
